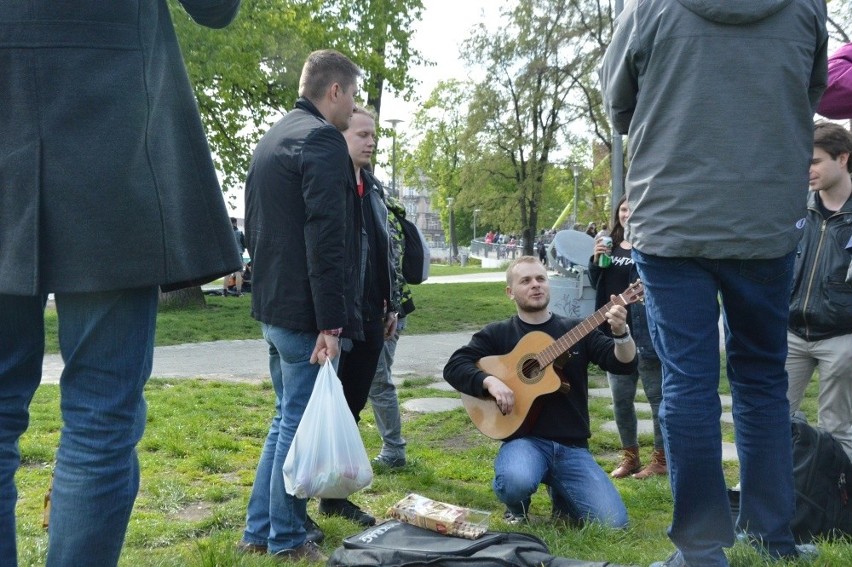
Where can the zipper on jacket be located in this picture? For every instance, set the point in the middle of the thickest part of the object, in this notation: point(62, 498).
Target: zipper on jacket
point(812, 276)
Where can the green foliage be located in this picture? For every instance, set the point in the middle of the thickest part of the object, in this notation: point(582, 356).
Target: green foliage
point(247, 74)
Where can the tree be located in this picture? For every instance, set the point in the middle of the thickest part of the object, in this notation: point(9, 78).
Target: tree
point(247, 74)
point(522, 107)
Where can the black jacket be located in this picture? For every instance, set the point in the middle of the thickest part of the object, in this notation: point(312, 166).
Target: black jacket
point(821, 304)
point(638, 316)
point(303, 235)
point(563, 417)
point(378, 275)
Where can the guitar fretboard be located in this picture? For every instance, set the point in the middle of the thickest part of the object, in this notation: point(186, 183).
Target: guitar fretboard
point(572, 337)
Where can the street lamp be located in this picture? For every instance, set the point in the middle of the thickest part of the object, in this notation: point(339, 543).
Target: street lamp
point(453, 251)
point(393, 122)
point(475, 212)
point(576, 170)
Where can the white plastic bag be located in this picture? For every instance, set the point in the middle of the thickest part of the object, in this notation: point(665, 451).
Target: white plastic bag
point(327, 458)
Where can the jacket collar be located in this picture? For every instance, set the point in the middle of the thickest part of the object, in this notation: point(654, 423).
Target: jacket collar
point(304, 104)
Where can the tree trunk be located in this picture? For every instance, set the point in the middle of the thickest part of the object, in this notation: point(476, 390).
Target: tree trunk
point(182, 298)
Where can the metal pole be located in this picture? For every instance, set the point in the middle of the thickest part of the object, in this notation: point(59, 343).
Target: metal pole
point(617, 161)
point(450, 201)
point(475, 212)
point(393, 122)
point(576, 197)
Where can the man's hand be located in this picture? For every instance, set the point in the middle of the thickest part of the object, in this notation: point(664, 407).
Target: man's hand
point(617, 318)
point(503, 395)
point(327, 348)
point(391, 320)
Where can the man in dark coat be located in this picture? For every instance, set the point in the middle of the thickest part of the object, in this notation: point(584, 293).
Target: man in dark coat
point(107, 191)
point(305, 242)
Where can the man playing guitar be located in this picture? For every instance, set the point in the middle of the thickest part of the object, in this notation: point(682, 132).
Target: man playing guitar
point(552, 445)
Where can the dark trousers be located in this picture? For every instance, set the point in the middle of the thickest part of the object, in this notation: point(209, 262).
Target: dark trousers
point(358, 366)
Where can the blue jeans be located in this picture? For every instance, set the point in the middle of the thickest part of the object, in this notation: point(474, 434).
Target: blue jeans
point(682, 300)
point(107, 342)
point(275, 518)
point(385, 402)
point(623, 387)
point(580, 489)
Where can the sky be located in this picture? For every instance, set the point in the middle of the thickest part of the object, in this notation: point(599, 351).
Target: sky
point(445, 24)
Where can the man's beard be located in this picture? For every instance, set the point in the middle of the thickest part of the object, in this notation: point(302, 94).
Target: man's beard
point(534, 306)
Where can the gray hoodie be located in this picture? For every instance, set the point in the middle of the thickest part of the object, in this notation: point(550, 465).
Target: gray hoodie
point(717, 98)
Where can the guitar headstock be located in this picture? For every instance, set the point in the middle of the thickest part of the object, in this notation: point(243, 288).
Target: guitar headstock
point(635, 292)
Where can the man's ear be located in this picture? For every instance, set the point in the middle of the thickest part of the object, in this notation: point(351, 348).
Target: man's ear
point(843, 158)
point(509, 293)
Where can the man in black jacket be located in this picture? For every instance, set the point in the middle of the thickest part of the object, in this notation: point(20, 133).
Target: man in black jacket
point(553, 448)
point(305, 240)
point(819, 333)
point(358, 364)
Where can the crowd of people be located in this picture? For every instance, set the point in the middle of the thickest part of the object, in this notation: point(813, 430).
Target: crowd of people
point(715, 221)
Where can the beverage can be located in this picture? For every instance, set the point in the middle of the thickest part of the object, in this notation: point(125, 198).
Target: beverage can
point(605, 259)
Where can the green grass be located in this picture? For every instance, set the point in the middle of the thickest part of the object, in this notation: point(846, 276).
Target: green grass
point(202, 443)
point(440, 308)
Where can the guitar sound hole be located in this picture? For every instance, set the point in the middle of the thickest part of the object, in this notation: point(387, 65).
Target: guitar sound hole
point(529, 370)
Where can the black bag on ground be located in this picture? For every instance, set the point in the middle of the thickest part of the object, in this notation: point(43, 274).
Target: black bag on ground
point(821, 470)
point(396, 544)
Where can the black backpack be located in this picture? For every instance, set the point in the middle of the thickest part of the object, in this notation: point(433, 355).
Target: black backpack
point(821, 470)
point(396, 544)
point(416, 256)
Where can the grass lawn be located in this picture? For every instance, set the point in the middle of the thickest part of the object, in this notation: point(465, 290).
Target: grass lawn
point(203, 440)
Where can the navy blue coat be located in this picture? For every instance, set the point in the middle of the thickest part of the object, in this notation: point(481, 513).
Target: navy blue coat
point(106, 179)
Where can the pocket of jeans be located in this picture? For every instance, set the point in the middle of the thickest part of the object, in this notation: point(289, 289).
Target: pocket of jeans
point(765, 271)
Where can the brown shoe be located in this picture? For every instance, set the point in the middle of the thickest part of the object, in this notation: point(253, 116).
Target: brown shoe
point(629, 464)
point(657, 466)
point(307, 550)
point(246, 547)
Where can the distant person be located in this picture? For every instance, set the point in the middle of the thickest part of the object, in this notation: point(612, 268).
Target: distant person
point(554, 449)
point(819, 334)
point(717, 99)
point(236, 288)
point(304, 241)
point(612, 280)
point(541, 250)
point(378, 312)
point(591, 229)
point(108, 192)
point(836, 101)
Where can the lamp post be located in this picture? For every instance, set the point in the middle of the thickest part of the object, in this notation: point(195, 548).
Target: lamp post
point(453, 251)
point(393, 122)
point(475, 212)
point(576, 170)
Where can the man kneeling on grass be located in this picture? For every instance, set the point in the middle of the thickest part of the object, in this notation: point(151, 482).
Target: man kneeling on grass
point(553, 448)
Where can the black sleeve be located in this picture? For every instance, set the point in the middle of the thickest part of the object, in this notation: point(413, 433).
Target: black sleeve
point(212, 13)
point(595, 273)
point(326, 171)
point(601, 351)
point(461, 371)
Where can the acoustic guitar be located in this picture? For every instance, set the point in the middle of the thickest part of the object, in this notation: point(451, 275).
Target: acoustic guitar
point(528, 371)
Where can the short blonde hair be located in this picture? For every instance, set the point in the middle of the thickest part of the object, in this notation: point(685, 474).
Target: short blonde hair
point(515, 262)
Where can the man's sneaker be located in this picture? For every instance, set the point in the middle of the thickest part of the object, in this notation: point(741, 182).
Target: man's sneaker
point(514, 519)
point(675, 560)
point(246, 547)
point(307, 550)
point(389, 462)
point(314, 532)
point(806, 551)
point(346, 509)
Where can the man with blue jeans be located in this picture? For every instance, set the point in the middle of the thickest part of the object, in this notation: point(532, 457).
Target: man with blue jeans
point(552, 447)
point(718, 100)
point(108, 193)
point(305, 242)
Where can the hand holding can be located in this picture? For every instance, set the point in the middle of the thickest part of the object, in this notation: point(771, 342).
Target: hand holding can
point(605, 259)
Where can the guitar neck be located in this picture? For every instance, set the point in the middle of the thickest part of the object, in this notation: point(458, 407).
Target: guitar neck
point(561, 345)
